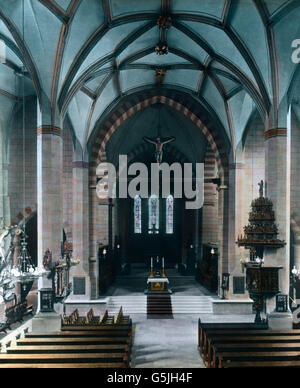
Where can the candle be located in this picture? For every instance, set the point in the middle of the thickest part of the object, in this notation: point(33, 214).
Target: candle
point(163, 262)
point(151, 262)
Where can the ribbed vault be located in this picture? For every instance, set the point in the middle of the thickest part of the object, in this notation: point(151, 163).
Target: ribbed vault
point(82, 57)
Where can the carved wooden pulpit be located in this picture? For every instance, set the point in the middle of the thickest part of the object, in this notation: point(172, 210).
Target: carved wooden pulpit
point(262, 283)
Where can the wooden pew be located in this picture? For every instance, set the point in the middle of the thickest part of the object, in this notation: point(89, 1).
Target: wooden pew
point(104, 318)
point(72, 319)
point(74, 341)
point(121, 319)
point(15, 314)
point(238, 345)
point(203, 327)
point(82, 333)
point(212, 336)
point(262, 364)
point(218, 349)
point(97, 365)
point(75, 322)
point(249, 343)
point(90, 317)
point(223, 358)
point(106, 348)
point(64, 358)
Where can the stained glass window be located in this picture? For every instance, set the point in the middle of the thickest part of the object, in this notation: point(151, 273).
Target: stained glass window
point(169, 214)
point(137, 214)
point(153, 214)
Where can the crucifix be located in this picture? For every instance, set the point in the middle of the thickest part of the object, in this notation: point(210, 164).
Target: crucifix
point(159, 143)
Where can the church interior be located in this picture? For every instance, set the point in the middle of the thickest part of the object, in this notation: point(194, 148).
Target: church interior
point(112, 281)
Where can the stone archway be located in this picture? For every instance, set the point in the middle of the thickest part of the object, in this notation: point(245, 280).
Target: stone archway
point(218, 146)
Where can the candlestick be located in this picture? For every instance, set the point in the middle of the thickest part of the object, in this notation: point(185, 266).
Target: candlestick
point(163, 262)
point(151, 268)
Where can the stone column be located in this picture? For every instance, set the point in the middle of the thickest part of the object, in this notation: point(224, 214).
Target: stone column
point(4, 197)
point(49, 198)
point(94, 241)
point(81, 226)
point(196, 238)
point(235, 224)
point(277, 156)
point(223, 232)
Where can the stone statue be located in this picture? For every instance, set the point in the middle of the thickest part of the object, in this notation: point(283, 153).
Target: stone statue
point(159, 143)
point(261, 189)
point(47, 259)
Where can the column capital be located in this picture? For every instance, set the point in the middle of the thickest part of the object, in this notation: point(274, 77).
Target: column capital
point(275, 132)
point(49, 130)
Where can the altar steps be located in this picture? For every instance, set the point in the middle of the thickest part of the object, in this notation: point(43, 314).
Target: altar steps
point(132, 304)
point(185, 304)
point(181, 304)
point(159, 306)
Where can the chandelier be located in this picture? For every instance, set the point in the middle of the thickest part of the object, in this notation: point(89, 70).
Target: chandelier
point(25, 271)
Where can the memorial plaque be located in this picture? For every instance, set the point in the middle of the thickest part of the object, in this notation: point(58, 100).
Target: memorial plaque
point(46, 300)
point(238, 284)
point(281, 303)
point(78, 286)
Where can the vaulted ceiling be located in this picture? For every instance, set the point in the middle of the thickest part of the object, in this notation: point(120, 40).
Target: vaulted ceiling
point(84, 56)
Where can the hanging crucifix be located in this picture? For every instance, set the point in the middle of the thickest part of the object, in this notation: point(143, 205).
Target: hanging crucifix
point(159, 143)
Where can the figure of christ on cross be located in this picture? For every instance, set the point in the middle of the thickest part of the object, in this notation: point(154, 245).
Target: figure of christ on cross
point(159, 143)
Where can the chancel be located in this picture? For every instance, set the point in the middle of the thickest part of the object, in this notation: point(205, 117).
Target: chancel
point(104, 265)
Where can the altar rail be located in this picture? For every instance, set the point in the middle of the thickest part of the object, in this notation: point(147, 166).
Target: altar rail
point(15, 335)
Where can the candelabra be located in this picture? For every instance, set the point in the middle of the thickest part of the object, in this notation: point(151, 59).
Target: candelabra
point(25, 271)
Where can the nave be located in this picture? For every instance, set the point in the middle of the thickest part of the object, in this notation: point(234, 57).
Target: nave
point(149, 166)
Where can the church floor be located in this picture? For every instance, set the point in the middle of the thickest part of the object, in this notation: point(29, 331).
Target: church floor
point(172, 343)
point(166, 343)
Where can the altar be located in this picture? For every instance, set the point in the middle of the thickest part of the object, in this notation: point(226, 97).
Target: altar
point(157, 280)
point(157, 284)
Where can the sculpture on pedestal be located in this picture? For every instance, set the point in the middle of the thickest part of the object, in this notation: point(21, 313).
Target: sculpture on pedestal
point(261, 233)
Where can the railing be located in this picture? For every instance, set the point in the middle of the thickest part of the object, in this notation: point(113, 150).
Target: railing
point(16, 334)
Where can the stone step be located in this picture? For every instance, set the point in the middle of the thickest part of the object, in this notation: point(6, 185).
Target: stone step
point(181, 304)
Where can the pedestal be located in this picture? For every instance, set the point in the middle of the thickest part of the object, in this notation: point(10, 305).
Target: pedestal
point(262, 284)
point(280, 321)
point(46, 322)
